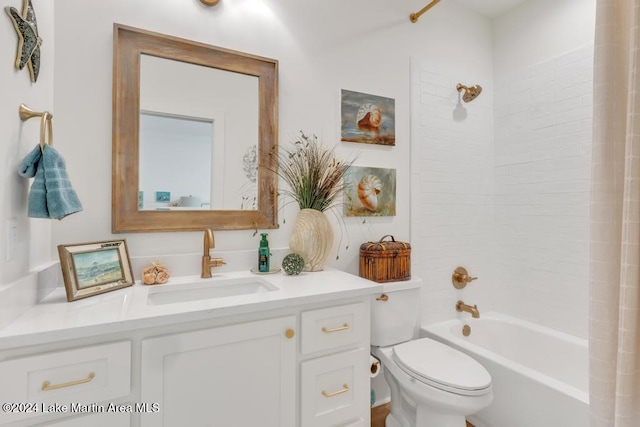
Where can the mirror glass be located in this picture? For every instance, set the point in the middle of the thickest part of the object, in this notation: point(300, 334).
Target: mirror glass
point(176, 156)
point(194, 135)
point(194, 138)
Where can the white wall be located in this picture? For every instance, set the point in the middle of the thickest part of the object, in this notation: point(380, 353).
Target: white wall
point(362, 45)
point(538, 30)
point(32, 246)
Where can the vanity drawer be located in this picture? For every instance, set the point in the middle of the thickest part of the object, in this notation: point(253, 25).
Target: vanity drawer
point(334, 327)
point(335, 390)
point(81, 376)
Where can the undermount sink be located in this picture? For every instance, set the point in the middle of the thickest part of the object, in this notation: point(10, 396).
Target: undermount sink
point(211, 289)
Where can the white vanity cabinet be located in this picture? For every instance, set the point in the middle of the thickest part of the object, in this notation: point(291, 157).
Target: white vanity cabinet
point(237, 375)
point(246, 374)
point(293, 357)
point(334, 373)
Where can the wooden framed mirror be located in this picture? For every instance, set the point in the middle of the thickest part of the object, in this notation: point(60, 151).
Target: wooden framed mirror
point(229, 207)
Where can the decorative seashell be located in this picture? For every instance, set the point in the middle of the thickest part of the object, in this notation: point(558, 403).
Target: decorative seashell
point(162, 277)
point(149, 278)
point(369, 117)
point(155, 274)
point(368, 189)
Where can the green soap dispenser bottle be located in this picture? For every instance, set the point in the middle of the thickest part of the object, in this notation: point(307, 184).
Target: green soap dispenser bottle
point(263, 254)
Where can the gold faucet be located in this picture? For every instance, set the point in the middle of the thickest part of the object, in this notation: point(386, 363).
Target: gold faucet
point(207, 261)
point(473, 309)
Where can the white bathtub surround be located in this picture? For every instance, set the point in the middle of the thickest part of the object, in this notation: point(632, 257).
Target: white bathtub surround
point(504, 189)
point(615, 241)
point(539, 375)
point(542, 155)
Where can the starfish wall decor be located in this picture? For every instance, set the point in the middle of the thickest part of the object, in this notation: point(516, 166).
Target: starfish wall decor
point(28, 52)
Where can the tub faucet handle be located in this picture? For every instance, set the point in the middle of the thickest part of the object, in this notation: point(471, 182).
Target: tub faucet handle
point(460, 278)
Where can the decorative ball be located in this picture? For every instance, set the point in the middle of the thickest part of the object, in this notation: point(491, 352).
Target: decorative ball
point(292, 264)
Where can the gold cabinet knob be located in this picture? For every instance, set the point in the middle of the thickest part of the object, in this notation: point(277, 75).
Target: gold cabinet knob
point(383, 297)
point(290, 333)
point(460, 278)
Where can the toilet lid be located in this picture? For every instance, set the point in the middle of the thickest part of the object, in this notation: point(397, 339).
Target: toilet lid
point(442, 366)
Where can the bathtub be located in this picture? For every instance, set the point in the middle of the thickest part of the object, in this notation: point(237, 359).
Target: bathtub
point(539, 375)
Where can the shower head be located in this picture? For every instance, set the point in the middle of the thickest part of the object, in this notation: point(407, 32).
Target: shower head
point(470, 93)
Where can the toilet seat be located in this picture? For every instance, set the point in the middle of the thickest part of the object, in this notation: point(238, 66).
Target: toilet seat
point(442, 367)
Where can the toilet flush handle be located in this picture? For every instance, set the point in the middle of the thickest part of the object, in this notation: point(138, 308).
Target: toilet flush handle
point(383, 297)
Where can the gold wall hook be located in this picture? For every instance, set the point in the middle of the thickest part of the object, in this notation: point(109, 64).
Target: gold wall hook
point(45, 125)
point(27, 113)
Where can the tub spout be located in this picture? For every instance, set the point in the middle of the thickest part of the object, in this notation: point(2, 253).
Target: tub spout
point(473, 309)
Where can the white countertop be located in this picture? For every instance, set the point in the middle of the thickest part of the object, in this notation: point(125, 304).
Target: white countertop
point(54, 319)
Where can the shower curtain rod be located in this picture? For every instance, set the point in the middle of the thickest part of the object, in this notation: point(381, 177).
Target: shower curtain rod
point(414, 16)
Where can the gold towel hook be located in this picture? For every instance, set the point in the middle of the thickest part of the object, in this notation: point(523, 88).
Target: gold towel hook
point(27, 113)
point(414, 16)
point(45, 123)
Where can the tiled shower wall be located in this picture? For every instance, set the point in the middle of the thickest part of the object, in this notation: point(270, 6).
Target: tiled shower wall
point(452, 195)
point(542, 159)
point(502, 188)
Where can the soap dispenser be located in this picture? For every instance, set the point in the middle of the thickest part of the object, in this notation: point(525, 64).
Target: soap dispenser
point(263, 254)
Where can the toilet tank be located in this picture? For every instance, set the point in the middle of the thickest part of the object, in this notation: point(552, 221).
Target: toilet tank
point(394, 318)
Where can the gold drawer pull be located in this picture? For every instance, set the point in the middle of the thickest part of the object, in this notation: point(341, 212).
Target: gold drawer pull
point(338, 329)
point(46, 386)
point(345, 388)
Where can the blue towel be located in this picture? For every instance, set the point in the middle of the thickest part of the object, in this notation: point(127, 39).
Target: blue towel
point(30, 168)
point(51, 194)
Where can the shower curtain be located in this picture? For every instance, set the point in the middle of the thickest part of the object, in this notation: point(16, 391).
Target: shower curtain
point(614, 324)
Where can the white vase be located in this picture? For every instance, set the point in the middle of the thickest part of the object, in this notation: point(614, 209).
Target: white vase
point(312, 238)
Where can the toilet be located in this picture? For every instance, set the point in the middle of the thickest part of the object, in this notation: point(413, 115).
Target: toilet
point(432, 384)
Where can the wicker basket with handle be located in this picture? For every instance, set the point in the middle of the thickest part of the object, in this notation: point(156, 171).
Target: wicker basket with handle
point(385, 261)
